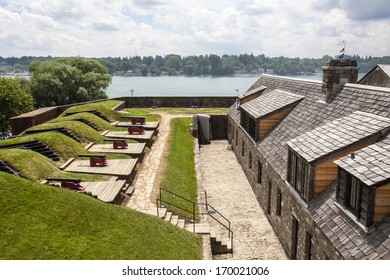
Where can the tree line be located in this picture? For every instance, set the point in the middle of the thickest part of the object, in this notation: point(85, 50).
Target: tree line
point(209, 64)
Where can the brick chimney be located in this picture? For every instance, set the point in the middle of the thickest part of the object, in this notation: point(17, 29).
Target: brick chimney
point(336, 73)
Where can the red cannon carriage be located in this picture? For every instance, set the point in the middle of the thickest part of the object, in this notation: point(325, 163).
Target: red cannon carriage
point(135, 129)
point(138, 120)
point(96, 160)
point(118, 143)
point(69, 183)
point(135, 119)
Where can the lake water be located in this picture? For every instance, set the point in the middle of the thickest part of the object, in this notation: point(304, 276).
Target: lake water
point(187, 86)
point(179, 86)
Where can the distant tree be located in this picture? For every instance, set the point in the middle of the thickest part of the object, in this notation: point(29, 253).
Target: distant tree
point(68, 80)
point(13, 101)
point(144, 69)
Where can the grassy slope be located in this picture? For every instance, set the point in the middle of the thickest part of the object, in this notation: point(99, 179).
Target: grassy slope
point(179, 174)
point(43, 222)
point(65, 147)
point(81, 130)
point(104, 107)
point(37, 167)
point(99, 122)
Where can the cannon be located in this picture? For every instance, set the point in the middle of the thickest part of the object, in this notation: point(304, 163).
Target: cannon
point(135, 119)
point(135, 129)
point(69, 183)
point(96, 160)
point(118, 143)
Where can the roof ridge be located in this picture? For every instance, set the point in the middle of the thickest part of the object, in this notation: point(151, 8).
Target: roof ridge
point(294, 79)
point(372, 88)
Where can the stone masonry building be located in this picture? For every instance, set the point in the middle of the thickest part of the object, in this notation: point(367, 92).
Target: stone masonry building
point(317, 156)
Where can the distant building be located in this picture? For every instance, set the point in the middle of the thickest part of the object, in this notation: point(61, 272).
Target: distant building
point(317, 156)
point(378, 76)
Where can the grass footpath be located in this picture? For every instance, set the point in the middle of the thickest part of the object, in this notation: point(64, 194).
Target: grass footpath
point(179, 175)
point(48, 223)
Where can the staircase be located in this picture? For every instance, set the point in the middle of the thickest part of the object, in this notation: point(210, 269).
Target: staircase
point(36, 146)
point(219, 244)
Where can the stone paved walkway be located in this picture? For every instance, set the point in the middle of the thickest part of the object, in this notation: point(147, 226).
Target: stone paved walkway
point(146, 181)
point(230, 193)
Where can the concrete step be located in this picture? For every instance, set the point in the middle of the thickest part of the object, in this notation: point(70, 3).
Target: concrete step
point(168, 216)
point(181, 223)
point(199, 228)
point(162, 212)
point(174, 220)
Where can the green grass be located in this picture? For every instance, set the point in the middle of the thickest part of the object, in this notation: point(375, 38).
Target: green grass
point(36, 167)
point(41, 222)
point(179, 174)
point(190, 111)
point(81, 130)
point(153, 113)
point(64, 146)
point(104, 107)
point(149, 114)
point(99, 122)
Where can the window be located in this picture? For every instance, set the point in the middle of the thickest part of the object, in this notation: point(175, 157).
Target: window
point(249, 124)
point(269, 197)
point(294, 238)
point(250, 160)
point(243, 148)
point(309, 246)
point(298, 175)
point(236, 136)
point(279, 203)
point(259, 171)
point(353, 195)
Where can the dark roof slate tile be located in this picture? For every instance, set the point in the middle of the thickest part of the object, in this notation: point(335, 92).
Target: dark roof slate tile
point(270, 102)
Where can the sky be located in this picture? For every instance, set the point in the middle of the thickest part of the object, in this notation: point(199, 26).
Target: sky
point(118, 28)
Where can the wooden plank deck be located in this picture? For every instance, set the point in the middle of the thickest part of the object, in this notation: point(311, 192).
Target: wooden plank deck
point(147, 125)
point(125, 135)
point(105, 191)
point(133, 149)
point(115, 167)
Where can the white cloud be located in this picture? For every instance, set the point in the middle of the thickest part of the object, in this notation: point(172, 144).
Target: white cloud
point(305, 28)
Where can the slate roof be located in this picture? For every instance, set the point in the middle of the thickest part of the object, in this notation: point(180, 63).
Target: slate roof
point(270, 102)
point(252, 91)
point(350, 239)
point(337, 135)
point(311, 112)
point(385, 68)
point(371, 165)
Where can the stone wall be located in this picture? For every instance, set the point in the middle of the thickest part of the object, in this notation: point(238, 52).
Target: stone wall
point(178, 101)
point(291, 204)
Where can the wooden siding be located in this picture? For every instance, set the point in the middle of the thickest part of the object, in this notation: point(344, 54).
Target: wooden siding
point(382, 203)
point(269, 122)
point(326, 171)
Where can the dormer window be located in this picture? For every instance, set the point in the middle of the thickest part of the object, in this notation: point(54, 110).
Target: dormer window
point(363, 188)
point(262, 114)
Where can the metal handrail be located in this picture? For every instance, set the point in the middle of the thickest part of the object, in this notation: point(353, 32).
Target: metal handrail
point(159, 201)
